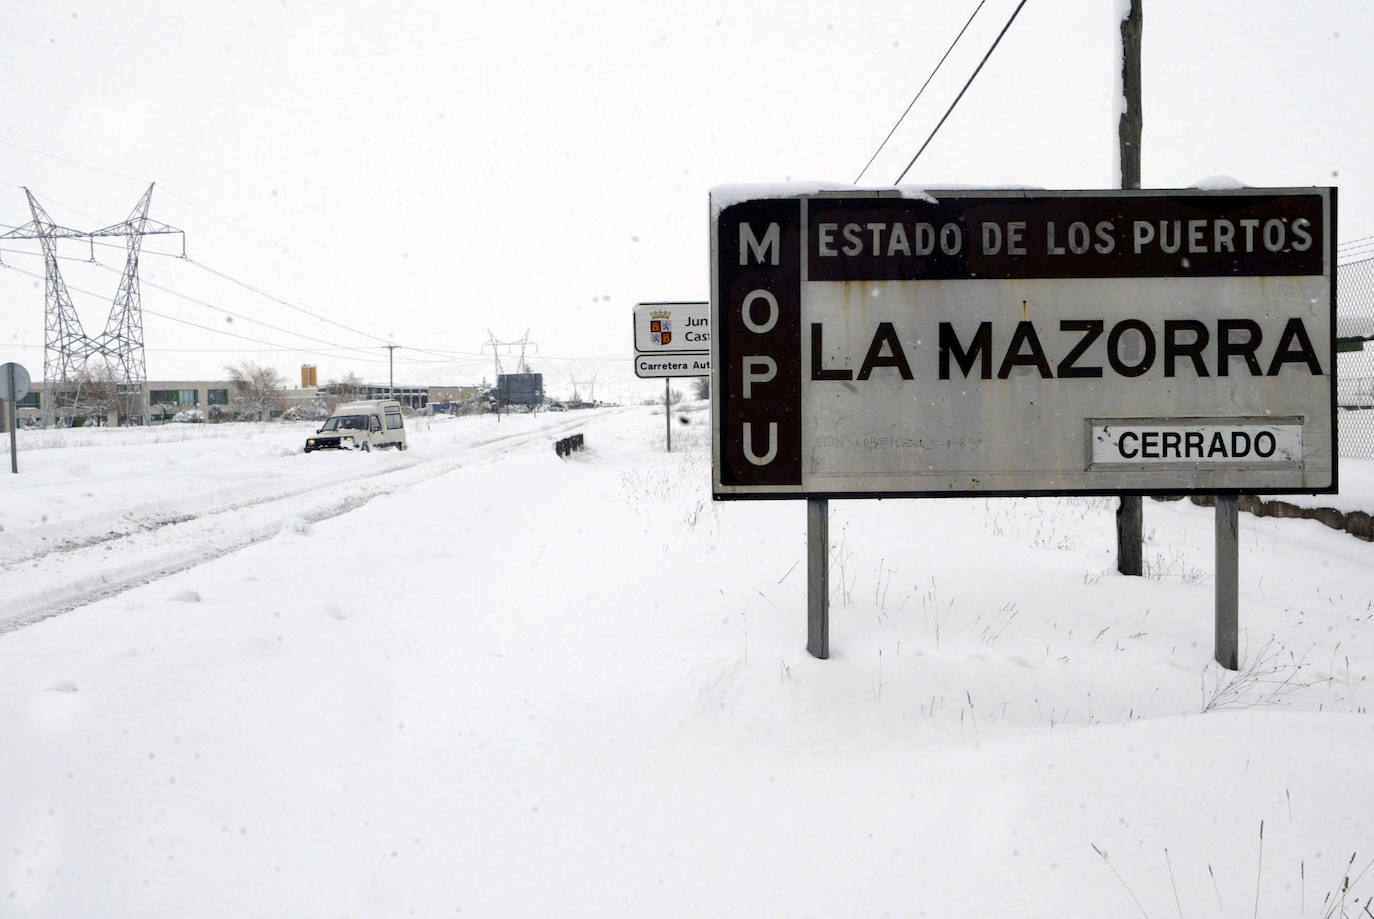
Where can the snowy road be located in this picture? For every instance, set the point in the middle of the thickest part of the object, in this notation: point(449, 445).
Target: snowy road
point(102, 511)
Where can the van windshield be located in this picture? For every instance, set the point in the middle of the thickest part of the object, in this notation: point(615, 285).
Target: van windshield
point(346, 423)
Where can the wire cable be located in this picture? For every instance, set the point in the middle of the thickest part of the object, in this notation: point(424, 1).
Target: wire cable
point(196, 325)
point(974, 76)
point(332, 350)
point(919, 93)
point(283, 301)
point(192, 204)
point(231, 279)
point(443, 356)
point(219, 309)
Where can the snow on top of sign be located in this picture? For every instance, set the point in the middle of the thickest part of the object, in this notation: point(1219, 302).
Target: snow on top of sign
point(723, 196)
point(1218, 183)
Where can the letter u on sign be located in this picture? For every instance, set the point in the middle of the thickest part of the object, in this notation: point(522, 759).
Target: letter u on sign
point(772, 450)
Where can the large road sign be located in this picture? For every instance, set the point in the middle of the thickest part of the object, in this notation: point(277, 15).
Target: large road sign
point(1022, 342)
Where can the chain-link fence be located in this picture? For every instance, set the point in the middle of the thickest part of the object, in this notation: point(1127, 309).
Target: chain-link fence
point(1355, 357)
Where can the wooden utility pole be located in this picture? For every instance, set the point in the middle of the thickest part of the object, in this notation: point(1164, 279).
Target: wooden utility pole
point(1129, 514)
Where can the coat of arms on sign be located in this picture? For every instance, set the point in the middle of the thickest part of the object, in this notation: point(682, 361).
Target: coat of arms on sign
point(659, 328)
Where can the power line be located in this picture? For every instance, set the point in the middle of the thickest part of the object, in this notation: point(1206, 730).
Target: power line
point(10, 143)
point(220, 309)
point(166, 191)
point(186, 297)
point(196, 325)
point(300, 309)
point(232, 314)
point(64, 258)
point(187, 322)
point(1348, 251)
point(245, 285)
point(443, 356)
point(278, 349)
point(919, 92)
point(282, 300)
point(121, 175)
point(274, 346)
point(974, 76)
point(278, 346)
point(463, 355)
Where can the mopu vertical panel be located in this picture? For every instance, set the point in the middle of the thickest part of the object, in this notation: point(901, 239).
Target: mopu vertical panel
point(759, 325)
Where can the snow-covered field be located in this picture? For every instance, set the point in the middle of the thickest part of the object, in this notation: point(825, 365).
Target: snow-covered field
point(475, 679)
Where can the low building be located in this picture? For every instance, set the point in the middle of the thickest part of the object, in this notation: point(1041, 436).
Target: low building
point(218, 400)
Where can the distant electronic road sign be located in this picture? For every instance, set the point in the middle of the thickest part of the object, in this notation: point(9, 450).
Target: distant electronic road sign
point(1022, 342)
point(672, 339)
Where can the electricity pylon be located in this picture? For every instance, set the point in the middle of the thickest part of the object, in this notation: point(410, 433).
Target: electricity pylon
point(496, 347)
point(591, 388)
point(67, 349)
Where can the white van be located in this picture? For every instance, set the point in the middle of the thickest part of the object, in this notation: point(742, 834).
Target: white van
point(361, 426)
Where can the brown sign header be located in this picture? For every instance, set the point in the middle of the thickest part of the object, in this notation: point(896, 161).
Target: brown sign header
point(1093, 235)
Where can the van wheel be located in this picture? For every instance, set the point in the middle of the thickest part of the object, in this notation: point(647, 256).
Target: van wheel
point(367, 448)
point(400, 446)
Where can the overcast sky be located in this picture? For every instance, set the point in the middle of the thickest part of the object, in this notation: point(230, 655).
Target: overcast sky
point(436, 174)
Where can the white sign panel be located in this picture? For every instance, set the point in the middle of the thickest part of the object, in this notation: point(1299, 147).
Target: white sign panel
point(1196, 443)
point(1018, 342)
point(649, 366)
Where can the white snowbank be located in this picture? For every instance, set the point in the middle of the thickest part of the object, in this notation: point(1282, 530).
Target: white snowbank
point(510, 684)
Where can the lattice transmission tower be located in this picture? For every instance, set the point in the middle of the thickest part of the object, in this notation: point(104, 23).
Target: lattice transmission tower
point(591, 388)
point(496, 346)
point(116, 353)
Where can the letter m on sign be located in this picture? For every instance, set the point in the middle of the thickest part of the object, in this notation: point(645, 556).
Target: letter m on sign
point(767, 250)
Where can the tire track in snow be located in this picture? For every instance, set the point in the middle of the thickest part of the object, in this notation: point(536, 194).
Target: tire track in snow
point(107, 564)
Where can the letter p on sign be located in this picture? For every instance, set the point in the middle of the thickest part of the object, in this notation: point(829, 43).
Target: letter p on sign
point(758, 369)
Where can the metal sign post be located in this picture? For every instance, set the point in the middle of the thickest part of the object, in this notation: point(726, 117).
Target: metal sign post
point(14, 385)
point(1227, 643)
point(818, 577)
point(668, 412)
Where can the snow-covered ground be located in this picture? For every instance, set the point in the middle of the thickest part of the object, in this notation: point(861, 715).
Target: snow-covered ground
point(475, 679)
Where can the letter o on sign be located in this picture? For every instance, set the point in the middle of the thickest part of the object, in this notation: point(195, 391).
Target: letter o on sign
point(746, 311)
